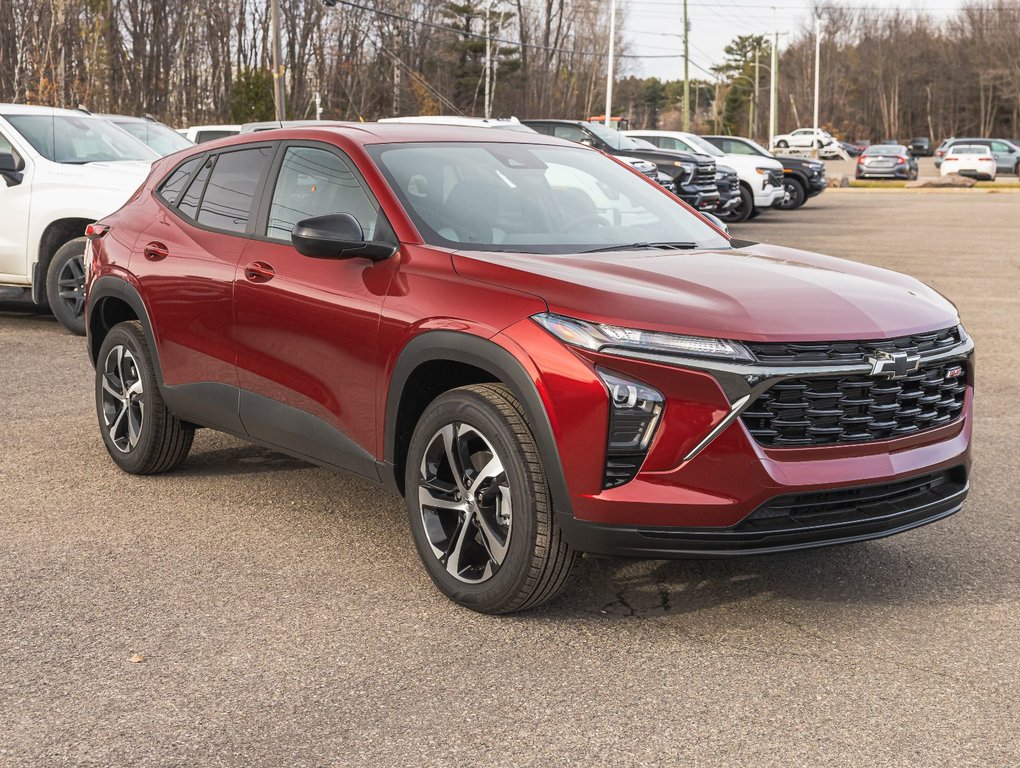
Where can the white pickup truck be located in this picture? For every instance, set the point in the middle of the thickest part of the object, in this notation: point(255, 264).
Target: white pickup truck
point(60, 170)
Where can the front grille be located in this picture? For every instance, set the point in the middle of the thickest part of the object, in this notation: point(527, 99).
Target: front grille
point(856, 408)
point(798, 353)
point(705, 174)
point(849, 505)
point(775, 177)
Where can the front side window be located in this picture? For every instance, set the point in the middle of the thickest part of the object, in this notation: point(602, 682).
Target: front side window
point(999, 146)
point(569, 132)
point(317, 182)
point(78, 140)
point(533, 198)
point(232, 185)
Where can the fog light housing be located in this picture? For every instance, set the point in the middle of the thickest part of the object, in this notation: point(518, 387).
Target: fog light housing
point(635, 410)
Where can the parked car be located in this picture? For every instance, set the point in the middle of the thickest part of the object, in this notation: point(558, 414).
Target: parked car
point(761, 178)
point(802, 178)
point(199, 134)
point(1007, 156)
point(61, 169)
point(851, 149)
point(804, 138)
point(920, 147)
point(886, 161)
point(969, 160)
point(545, 353)
point(158, 137)
point(693, 176)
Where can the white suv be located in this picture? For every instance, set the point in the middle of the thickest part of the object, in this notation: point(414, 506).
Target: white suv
point(804, 138)
point(761, 178)
point(60, 170)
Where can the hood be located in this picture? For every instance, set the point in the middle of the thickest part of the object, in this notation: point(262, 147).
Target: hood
point(99, 175)
point(91, 190)
point(757, 293)
point(746, 164)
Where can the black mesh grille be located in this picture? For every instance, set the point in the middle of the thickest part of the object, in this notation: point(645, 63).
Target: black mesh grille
point(858, 408)
point(705, 174)
point(852, 351)
point(846, 505)
point(776, 177)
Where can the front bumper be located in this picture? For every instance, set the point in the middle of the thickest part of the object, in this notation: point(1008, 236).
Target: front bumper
point(706, 477)
point(860, 523)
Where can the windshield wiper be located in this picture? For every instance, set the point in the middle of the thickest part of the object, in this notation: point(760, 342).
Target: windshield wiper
point(666, 246)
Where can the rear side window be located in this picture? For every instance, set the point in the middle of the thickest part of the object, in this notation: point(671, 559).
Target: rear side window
point(189, 203)
point(316, 182)
point(172, 189)
point(232, 185)
point(569, 132)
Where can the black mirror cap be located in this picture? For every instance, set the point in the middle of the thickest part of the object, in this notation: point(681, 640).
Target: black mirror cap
point(10, 169)
point(337, 236)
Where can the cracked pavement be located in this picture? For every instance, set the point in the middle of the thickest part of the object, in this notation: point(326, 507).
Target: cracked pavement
point(284, 618)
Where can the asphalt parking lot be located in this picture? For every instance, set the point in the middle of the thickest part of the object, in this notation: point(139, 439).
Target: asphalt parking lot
point(284, 618)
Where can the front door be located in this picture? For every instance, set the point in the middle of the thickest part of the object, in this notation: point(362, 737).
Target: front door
point(307, 327)
point(14, 213)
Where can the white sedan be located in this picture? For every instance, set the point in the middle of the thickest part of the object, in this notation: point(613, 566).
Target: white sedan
point(969, 160)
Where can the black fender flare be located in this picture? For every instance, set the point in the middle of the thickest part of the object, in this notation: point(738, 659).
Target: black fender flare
point(488, 356)
point(108, 287)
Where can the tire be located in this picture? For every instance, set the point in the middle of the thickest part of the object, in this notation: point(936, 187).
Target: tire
point(743, 211)
point(502, 551)
point(1017, 169)
point(795, 196)
point(782, 144)
point(65, 285)
point(140, 434)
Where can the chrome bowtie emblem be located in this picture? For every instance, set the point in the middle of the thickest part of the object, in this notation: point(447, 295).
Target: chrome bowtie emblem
point(894, 365)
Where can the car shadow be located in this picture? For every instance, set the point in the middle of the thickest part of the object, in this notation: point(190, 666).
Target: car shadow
point(243, 459)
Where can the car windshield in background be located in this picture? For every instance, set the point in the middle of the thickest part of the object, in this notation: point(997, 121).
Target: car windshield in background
point(614, 138)
point(705, 147)
point(885, 149)
point(79, 140)
point(156, 136)
point(534, 198)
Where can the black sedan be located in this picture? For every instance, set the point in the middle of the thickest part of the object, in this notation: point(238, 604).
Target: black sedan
point(886, 161)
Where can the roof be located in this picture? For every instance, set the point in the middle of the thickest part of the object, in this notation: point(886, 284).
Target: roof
point(32, 109)
point(402, 133)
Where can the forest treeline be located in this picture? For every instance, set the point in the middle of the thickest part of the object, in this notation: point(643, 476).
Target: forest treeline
point(884, 74)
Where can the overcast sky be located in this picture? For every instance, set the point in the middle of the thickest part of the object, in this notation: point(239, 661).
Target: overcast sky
point(655, 27)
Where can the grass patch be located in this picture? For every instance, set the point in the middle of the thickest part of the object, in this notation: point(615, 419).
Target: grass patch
point(899, 184)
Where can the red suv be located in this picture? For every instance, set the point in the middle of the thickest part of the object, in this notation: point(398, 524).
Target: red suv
point(544, 351)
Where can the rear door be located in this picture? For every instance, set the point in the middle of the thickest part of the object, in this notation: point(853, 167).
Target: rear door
point(185, 262)
point(307, 327)
point(1005, 156)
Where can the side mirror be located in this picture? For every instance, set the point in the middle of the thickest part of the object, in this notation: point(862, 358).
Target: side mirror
point(717, 221)
point(337, 236)
point(10, 169)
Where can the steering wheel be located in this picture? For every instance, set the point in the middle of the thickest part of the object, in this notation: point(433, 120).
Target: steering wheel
point(592, 217)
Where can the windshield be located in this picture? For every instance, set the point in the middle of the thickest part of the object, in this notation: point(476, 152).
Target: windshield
point(156, 136)
point(705, 147)
point(613, 138)
point(78, 140)
point(532, 198)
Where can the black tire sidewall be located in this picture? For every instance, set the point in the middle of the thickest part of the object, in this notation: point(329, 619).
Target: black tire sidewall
point(65, 253)
point(128, 335)
point(796, 192)
point(470, 408)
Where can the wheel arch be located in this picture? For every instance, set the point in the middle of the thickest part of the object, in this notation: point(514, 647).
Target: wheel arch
point(56, 234)
point(471, 356)
point(113, 300)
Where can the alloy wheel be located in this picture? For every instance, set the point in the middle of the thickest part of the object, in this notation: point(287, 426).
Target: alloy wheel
point(465, 503)
point(123, 399)
point(71, 285)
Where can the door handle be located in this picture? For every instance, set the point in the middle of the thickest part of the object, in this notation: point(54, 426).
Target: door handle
point(156, 251)
point(259, 272)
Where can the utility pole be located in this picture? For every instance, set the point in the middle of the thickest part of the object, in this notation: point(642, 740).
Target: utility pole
point(609, 73)
point(754, 101)
point(687, 79)
point(278, 93)
point(774, 88)
point(818, 62)
point(488, 64)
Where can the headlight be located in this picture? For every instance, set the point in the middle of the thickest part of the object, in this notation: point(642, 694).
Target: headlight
point(599, 337)
point(761, 171)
